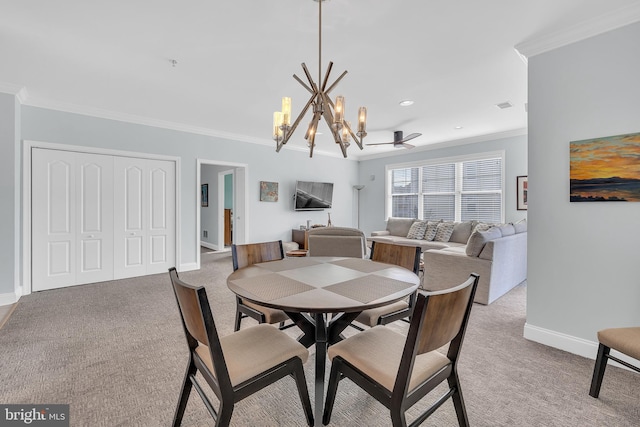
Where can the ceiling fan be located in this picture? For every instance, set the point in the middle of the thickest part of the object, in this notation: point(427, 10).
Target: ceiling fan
point(400, 141)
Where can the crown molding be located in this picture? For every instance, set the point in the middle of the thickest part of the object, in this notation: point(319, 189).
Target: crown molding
point(18, 91)
point(589, 28)
point(451, 143)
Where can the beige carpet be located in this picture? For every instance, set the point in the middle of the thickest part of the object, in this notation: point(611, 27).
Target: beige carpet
point(116, 353)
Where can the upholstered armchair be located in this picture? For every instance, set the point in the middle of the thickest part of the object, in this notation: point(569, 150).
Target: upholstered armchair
point(337, 241)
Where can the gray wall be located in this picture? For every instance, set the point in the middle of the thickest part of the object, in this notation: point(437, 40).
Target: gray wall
point(267, 221)
point(372, 197)
point(583, 257)
point(10, 180)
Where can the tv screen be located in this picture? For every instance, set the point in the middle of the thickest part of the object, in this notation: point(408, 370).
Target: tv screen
point(313, 196)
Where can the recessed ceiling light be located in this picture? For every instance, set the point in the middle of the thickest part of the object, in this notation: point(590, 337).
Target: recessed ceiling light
point(458, 127)
point(406, 103)
point(504, 105)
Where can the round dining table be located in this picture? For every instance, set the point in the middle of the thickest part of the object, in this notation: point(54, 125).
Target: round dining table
point(322, 296)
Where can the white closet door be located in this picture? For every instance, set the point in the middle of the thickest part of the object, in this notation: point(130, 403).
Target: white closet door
point(72, 222)
point(145, 216)
point(94, 220)
point(162, 216)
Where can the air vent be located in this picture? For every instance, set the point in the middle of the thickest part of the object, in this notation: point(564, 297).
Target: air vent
point(504, 105)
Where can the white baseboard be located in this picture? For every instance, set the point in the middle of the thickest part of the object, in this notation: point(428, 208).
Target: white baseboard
point(571, 344)
point(189, 267)
point(209, 245)
point(9, 298)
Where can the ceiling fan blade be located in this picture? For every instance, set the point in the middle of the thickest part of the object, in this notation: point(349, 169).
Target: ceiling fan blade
point(380, 143)
point(410, 137)
point(405, 145)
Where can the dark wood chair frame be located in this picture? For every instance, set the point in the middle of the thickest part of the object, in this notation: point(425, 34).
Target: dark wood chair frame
point(256, 253)
point(200, 322)
point(404, 314)
point(398, 400)
point(601, 366)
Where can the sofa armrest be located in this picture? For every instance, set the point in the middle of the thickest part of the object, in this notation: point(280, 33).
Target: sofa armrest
point(380, 233)
point(445, 269)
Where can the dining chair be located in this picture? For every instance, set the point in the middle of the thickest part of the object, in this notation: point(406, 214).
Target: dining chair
point(237, 365)
point(244, 256)
point(623, 340)
point(337, 242)
point(400, 370)
point(403, 256)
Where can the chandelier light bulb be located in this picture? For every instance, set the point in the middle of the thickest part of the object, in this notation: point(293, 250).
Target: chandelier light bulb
point(362, 120)
point(339, 109)
point(286, 111)
point(277, 123)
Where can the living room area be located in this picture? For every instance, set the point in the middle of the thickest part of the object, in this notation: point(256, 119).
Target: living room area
point(535, 345)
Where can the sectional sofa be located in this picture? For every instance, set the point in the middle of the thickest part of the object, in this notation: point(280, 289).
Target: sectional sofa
point(453, 250)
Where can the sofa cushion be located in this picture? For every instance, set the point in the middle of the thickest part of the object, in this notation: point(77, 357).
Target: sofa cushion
point(461, 232)
point(507, 230)
point(478, 239)
point(417, 230)
point(520, 226)
point(430, 232)
point(443, 231)
point(399, 226)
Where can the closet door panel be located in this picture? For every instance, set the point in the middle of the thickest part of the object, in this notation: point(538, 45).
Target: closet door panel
point(53, 262)
point(161, 216)
point(94, 192)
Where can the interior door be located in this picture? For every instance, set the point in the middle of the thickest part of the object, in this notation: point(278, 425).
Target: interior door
point(72, 218)
point(145, 216)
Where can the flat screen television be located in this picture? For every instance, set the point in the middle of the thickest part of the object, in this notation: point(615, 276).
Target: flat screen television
point(313, 196)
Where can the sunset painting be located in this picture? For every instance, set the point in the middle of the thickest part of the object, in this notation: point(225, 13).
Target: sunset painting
point(605, 169)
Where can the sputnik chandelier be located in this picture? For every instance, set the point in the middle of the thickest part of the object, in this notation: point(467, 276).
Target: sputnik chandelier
point(322, 105)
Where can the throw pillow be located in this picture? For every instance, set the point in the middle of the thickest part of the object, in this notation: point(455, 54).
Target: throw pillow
point(417, 230)
point(430, 233)
point(482, 226)
point(443, 232)
point(478, 239)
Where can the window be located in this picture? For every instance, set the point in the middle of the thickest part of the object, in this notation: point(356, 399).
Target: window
point(452, 190)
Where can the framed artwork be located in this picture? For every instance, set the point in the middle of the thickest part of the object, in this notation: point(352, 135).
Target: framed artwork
point(605, 169)
point(268, 191)
point(204, 195)
point(521, 186)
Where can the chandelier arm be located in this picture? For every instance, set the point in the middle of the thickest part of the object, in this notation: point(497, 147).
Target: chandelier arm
point(303, 84)
point(297, 121)
point(311, 82)
point(336, 82)
point(326, 76)
point(353, 135)
point(328, 117)
point(314, 125)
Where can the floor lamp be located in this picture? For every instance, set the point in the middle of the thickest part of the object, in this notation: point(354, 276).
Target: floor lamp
point(358, 187)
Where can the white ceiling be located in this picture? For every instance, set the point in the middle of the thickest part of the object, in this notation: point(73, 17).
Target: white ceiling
point(235, 60)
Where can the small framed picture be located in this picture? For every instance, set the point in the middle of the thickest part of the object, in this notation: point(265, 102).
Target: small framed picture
point(204, 195)
point(268, 191)
point(521, 185)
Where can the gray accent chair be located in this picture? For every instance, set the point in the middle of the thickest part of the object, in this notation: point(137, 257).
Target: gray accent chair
point(338, 242)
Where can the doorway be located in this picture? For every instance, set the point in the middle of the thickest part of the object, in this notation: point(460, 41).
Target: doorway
point(221, 209)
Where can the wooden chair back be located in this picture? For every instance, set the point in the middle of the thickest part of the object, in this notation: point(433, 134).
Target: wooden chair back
point(403, 256)
point(199, 326)
point(441, 317)
point(254, 253)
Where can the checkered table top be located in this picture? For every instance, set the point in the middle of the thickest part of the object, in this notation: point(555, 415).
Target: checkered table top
point(323, 284)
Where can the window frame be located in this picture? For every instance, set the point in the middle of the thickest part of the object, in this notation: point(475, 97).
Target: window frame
point(457, 160)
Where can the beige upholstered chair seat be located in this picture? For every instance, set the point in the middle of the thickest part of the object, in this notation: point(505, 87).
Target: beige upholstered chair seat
point(377, 352)
point(625, 340)
point(271, 315)
point(370, 317)
point(254, 350)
